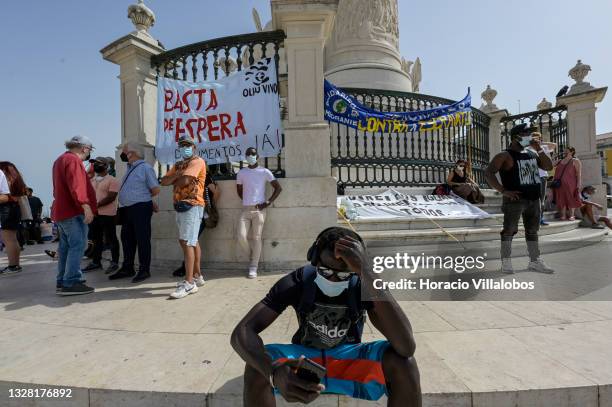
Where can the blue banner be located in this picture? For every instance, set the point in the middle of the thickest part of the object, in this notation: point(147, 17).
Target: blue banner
point(345, 109)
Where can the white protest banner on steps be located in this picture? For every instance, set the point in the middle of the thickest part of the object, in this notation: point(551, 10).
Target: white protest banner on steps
point(223, 117)
point(392, 204)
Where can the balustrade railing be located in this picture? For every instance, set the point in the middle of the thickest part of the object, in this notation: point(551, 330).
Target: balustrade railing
point(214, 59)
point(376, 159)
point(551, 123)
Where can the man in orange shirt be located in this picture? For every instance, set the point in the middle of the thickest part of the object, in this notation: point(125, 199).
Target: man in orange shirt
point(187, 177)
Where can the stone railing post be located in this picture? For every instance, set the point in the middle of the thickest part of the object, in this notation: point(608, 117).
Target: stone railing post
point(496, 114)
point(138, 85)
point(582, 130)
point(307, 204)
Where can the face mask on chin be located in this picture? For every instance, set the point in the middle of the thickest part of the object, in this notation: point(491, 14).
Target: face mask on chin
point(330, 288)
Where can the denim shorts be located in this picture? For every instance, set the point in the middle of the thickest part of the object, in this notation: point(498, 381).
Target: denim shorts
point(189, 224)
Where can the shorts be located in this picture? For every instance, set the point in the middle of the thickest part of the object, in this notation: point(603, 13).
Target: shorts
point(10, 216)
point(353, 370)
point(189, 224)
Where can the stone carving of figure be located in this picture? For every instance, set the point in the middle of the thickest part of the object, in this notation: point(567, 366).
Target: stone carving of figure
point(416, 75)
point(368, 19)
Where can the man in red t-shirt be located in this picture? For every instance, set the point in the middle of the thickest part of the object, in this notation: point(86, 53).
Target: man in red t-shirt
point(73, 209)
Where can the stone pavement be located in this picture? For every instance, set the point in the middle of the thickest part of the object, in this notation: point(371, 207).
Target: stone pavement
point(128, 345)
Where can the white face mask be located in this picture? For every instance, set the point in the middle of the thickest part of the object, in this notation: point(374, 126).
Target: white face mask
point(330, 288)
point(525, 141)
point(251, 159)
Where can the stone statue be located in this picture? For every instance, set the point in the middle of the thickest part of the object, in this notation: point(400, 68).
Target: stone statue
point(416, 75)
point(257, 21)
point(368, 20)
point(363, 50)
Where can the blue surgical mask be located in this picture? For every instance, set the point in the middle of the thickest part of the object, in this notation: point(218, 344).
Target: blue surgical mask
point(186, 152)
point(251, 159)
point(525, 141)
point(86, 164)
point(330, 288)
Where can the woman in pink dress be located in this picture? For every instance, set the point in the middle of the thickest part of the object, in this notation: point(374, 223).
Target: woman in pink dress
point(567, 196)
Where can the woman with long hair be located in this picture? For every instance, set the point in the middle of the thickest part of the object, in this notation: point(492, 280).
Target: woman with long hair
point(462, 184)
point(567, 195)
point(10, 214)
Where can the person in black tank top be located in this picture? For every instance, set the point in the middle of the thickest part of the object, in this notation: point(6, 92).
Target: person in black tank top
point(520, 187)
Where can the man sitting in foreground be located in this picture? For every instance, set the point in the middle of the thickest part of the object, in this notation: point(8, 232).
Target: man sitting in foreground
point(327, 298)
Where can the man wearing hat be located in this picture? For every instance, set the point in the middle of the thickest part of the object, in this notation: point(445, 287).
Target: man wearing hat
point(187, 178)
point(521, 188)
point(73, 209)
point(103, 226)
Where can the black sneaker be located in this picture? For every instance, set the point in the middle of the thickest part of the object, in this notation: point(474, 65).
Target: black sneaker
point(122, 273)
point(112, 268)
point(76, 289)
point(141, 276)
point(58, 287)
point(91, 267)
point(10, 270)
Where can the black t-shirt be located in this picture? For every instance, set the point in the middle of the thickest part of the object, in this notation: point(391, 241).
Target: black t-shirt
point(329, 324)
point(524, 176)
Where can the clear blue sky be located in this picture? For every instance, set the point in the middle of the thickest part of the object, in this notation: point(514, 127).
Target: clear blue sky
point(56, 84)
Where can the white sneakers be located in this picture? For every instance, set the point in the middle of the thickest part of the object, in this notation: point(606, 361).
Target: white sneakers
point(506, 266)
point(539, 266)
point(252, 272)
point(199, 280)
point(183, 289)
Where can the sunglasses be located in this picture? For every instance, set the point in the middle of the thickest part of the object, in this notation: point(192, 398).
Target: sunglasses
point(327, 272)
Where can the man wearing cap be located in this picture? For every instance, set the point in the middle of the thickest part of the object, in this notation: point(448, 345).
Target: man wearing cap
point(73, 209)
point(521, 189)
point(103, 226)
point(136, 191)
point(187, 177)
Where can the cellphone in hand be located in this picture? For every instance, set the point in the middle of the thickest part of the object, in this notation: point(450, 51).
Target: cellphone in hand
point(311, 371)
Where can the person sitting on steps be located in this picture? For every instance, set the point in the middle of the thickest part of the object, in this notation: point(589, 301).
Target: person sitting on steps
point(331, 297)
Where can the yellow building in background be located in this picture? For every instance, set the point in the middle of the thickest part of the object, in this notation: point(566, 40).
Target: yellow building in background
point(604, 147)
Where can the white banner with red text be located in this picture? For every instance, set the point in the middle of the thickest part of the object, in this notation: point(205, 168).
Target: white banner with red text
point(223, 117)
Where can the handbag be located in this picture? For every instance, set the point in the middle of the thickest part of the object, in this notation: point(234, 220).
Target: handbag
point(557, 182)
point(120, 211)
point(212, 217)
point(24, 207)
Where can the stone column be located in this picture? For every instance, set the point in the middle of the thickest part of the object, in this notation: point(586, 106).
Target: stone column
point(363, 51)
point(308, 202)
point(496, 114)
point(582, 130)
point(138, 84)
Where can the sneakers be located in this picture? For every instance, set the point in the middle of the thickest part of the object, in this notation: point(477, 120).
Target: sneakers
point(183, 290)
point(141, 276)
point(112, 268)
point(252, 272)
point(91, 267)
point(539, 266)
point(199, 280)
point(122, 273)
point(10, 270)
point(76, 289)
point(506, 266)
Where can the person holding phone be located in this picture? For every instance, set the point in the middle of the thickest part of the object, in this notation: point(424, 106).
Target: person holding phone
point(331, 297)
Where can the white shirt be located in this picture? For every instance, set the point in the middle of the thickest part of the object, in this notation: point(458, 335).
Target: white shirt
point(253, 181)
point(4, 187)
